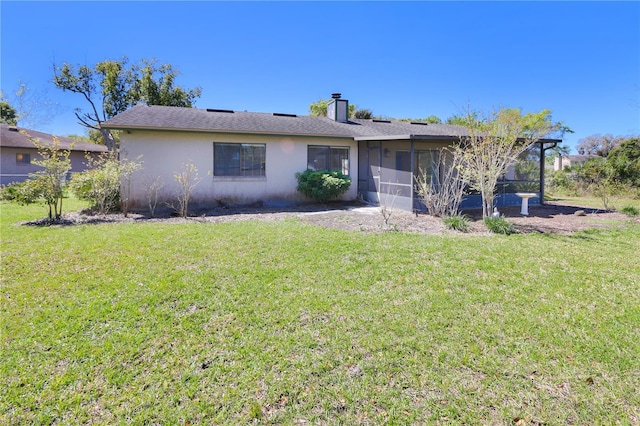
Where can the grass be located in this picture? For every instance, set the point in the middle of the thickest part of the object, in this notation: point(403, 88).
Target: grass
point(499, 225)
point(630, 211)
point(280, 323)
point(617, 203)
point(457, 222)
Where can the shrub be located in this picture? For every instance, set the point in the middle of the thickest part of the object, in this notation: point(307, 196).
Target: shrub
point(563, 182)
point(457, 222)
point(26, 192)
point(11, 191)
point(630, 211)
point(105, 184)
point(322, 185)
point(442, 195)
point(499, 225)
point(99, 186)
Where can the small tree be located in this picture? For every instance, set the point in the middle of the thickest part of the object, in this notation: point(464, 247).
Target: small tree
point(187, 178)
point(152, 191)
point(442, 196)
point(387, 202)
point(495, 142)
point(47, 184)
point(599, 178)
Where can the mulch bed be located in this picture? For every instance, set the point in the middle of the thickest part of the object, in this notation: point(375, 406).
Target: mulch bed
point(355, 216)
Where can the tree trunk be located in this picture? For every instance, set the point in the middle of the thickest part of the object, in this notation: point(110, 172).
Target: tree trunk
point(108, 139)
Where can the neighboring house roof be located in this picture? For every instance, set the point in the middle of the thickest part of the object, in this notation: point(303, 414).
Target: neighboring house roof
point(579, 157)
point(226, 121)
point(15, 137)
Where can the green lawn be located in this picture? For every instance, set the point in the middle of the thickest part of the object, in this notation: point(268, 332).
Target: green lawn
point(286, 323)
point(617, 203)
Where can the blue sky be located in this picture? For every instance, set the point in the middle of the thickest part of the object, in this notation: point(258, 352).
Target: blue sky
point(399, 59)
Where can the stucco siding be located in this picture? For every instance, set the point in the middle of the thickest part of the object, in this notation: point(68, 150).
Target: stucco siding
point(163, 153)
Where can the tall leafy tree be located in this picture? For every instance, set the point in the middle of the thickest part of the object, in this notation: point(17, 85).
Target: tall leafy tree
point(624, 160)
point(363, 113)
point(111, 87)
point(8, 114)
point(599, 145)
point(27, 108)
point(469, 119)
point(433, 119)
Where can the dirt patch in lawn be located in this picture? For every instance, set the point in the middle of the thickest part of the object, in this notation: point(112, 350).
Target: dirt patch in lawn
point(361, 217)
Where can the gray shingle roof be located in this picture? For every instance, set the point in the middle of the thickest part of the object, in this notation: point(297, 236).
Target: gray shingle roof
point(13, 137)
point(580, 157)
point(193, 119)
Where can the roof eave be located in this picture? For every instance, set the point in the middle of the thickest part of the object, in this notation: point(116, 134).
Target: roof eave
point(406, 137)
point(541, 141)
point(223, 131)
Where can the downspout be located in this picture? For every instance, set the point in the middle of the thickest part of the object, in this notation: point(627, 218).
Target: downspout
point(542, 166)
point(412, 168)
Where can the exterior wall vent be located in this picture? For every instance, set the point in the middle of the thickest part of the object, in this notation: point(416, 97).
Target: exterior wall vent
point(338, 108)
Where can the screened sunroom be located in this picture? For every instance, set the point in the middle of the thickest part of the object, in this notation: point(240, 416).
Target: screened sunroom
point(388, 169)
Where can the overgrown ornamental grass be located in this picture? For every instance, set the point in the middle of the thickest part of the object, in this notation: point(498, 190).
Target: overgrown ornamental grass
point(275, 323)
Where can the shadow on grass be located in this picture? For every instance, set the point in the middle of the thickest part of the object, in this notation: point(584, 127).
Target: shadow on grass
point(546, 211)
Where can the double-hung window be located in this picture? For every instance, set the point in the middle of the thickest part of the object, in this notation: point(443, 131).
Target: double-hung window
point(332, 158)
point(239, 159)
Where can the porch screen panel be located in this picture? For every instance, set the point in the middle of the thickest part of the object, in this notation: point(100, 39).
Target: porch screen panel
point(427, 163)
point(523, 175)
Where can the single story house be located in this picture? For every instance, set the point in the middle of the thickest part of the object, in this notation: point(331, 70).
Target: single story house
point(245, 157)
point(562, 162)
point(17, 151)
